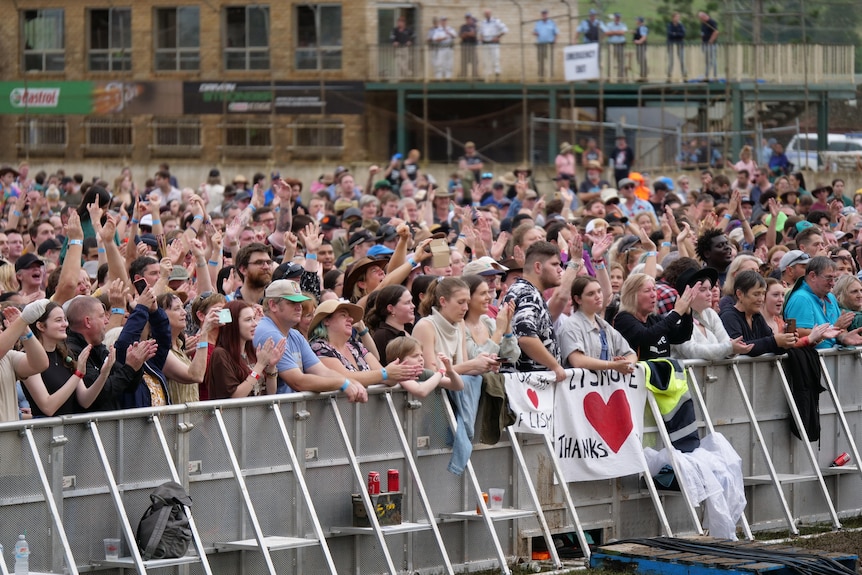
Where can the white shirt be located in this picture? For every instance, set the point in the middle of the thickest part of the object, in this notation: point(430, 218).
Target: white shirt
point(490, 29)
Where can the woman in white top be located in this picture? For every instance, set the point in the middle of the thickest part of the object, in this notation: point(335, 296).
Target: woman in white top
point(483, 333)
point(709, 339)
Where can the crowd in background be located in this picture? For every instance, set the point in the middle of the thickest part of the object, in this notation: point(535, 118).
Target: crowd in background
point(129, 290)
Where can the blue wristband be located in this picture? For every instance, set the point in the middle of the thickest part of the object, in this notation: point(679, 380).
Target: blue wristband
point(157, 222)
point(198, 217)
point(76, 243)
point(666, 244)
point(362, 333)
point(412, 262)
point(17, 214)
point(311, 256)
point(508, 335)
point(203, 344)
point(346, 385)
point(385, 375)
point(26, 336)
point(136, 221)
point(100, 250)
point(118, 311)
point(253, 209)
point(213, 263)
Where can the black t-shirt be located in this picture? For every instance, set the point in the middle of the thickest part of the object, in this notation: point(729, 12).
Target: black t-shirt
point(54, 378)
point(707, 28)
point(401, 37)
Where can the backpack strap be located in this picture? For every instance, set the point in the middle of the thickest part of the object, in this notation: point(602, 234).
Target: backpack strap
point(158, 531)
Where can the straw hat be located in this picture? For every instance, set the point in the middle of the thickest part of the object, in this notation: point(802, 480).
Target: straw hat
point(331, 306)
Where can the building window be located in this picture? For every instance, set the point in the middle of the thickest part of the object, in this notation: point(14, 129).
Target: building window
point(174, 137)
point(247, 38)
point(318, 37)
point(108, 136)
point(316, 137)
point(42, 135)
point(178, 38)
point(110, 39)
point(247, 138)
point(44, 40)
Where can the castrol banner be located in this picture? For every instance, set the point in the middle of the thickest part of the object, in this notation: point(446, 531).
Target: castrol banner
point(594, 418)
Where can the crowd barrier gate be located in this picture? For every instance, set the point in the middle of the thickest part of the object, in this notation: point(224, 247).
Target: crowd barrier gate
point(271, 479)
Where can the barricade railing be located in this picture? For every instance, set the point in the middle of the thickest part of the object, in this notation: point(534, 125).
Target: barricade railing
point(256, 507)
point(515, 62)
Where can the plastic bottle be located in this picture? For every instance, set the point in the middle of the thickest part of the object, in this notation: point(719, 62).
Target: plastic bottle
point(22, 555)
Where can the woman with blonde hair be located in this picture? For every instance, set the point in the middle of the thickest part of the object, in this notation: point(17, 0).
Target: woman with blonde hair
point(8, 281)
point(746, 162)
point(848, 291)
point(741, 263)
point(650, 334)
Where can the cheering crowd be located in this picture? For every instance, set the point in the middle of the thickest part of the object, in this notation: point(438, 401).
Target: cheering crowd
point(136, 292)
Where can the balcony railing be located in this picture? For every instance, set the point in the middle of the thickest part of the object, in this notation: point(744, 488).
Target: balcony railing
point(770, 63)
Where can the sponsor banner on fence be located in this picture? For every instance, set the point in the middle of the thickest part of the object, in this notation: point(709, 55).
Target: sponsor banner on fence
point(595, 419)
point(278, 97)
point(581, 62)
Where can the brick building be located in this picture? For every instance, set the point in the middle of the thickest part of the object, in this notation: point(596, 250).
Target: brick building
point(210, 81)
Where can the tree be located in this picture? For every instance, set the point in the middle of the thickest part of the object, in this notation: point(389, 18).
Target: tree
point(688, 10)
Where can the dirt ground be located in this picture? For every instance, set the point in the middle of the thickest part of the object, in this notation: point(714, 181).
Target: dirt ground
point(838, 541)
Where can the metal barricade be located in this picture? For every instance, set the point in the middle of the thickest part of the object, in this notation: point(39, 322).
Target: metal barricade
point(271, 478)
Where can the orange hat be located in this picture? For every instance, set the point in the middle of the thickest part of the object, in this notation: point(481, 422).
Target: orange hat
point(641, 191)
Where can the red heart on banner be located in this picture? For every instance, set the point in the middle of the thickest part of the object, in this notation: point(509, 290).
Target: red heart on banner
point(534, 397)
point(613, 420)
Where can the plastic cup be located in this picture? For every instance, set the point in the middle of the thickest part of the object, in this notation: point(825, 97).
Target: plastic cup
point(112, 548)
point(496, 498)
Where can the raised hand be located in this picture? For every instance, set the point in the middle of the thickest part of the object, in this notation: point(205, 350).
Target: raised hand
point(139, 352)
point(82, 359)
point(73, 228)
point(106, 232)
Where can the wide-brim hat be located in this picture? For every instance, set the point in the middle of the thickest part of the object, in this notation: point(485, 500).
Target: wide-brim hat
point(691, 276)
point(331, 306)
point(524, 169)
point(357, 269)
point(594, 165)
point(565, 147)
point(819, 189)
point(508, 179)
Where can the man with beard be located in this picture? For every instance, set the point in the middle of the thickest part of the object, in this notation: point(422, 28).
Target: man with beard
point(715, 251)
point(30, 271)
point(254, 266)
point(531, 323)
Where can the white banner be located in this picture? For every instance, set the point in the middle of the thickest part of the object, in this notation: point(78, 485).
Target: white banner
point(595, 419)
point(531, 397)
point(581, 62)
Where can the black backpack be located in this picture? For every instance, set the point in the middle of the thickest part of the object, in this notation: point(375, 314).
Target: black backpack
point(163, 532)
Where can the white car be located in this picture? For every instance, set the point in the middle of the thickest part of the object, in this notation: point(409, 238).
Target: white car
point(841, 151)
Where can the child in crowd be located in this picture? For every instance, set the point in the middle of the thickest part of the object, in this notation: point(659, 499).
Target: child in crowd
point(409, 351)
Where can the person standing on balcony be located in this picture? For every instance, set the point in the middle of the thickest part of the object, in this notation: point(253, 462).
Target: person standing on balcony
point(490, 31)
point(443, 38)
point(546, 33)
point(675, 38)
point(709, 37)
point(469, 39)
point(402, 40)
point(640, 40)
point(615, 32)
point(591, 28)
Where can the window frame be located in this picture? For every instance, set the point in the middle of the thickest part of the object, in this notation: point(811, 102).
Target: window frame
point(318, 50)
point(42, 126)
point(182, 127)
point(121, 55)
point(177, 51)
point(43, 53)
point(247, 50)
point(112, 126)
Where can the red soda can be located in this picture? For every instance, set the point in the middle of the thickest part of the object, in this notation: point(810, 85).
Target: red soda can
point(392, 483)
point(842, 459)
point(373, 483)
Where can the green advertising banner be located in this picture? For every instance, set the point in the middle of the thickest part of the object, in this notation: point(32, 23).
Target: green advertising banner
point(98, 98)
point(46, 97)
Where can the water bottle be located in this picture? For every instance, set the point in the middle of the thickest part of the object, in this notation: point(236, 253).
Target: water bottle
point(22, 555)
